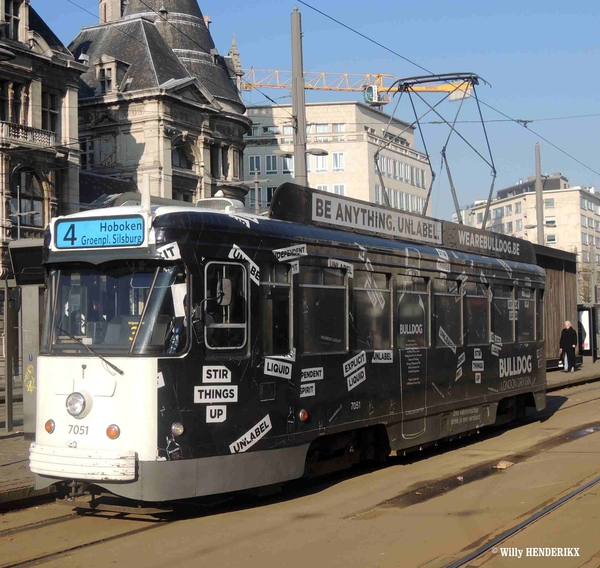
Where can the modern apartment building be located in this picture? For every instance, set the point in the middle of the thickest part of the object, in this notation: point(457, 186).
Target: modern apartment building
point(571, 219)
point(350, 133)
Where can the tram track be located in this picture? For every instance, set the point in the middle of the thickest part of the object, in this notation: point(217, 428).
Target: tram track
point(543, 511)
point(93, 529)
point(56, 542)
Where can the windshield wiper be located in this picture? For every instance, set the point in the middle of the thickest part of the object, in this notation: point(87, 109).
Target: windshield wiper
point(90, 349)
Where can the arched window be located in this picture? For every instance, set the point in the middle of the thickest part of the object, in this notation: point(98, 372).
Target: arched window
point(182, 157)
point(27, 199)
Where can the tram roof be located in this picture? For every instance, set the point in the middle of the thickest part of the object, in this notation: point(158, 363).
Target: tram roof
point(308, 214)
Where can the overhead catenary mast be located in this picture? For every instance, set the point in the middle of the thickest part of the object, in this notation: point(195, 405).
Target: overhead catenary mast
point(298, 101)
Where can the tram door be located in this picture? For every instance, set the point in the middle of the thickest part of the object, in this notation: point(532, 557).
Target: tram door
point(412, 337)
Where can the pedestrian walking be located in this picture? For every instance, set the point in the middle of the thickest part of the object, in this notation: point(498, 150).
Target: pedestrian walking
point(568, 343)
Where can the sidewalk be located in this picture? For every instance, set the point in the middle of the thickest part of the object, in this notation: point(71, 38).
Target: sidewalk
point(16, 481)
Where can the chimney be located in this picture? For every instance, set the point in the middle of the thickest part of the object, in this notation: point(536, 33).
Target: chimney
point(110, 10)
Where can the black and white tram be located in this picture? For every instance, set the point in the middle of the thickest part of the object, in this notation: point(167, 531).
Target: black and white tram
point(190, 351)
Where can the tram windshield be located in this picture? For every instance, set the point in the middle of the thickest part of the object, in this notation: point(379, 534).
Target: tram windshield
point(137, 308)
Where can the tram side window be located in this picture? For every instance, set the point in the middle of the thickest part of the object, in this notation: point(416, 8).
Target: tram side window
point(226, 315)
point(448, 313)
point(324, 310)
point(412, 311)
point(540, 315)
point(503, 313)
point(525, 308)
point(372, 310)
point(276, 308)
point(477, 313)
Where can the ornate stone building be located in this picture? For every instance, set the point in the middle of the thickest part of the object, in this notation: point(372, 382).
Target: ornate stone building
point(158, 99)
point(39, 150)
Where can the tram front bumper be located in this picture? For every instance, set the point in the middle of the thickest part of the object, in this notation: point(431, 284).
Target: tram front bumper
point(81, 464)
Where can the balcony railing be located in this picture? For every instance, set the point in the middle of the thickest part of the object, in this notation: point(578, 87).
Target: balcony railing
point(21, 133)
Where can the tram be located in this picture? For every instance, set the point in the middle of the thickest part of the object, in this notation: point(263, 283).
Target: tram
point(190, 351)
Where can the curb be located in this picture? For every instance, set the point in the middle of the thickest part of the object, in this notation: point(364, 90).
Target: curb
point(570, 383)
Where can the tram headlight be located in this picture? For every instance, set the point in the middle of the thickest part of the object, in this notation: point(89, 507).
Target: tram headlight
point(177, 429)
point(76, 404)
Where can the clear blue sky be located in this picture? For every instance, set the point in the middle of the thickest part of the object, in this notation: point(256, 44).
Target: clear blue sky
point(539, 56)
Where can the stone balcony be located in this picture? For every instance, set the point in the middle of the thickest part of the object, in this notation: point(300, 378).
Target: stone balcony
point(26, 135)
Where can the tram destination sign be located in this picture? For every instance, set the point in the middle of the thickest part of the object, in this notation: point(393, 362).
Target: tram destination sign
point(99, 232)
point(360, 216)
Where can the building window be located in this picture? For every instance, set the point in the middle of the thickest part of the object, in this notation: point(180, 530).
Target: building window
point(339, 128)
point(339, 188)
point(27, 200)
point(423, 179)
point(377, 194)
point(597, 225)
point(271, 129)
point(498, 213)
point(582, 202)
point(584, 238)
point(13, 18)
point(288, 130)
point(254, 131)
point(87, 154)
point(254, 164)
point(236, 163)
point(508, 212)
point(585, 256)
point(509, 227)
point(479, 218)
point(253, 195)
point(550, 239)
point(339, 161)
point(287, 165)
point(322, 128)
point(321, 164)
point(181, 158)
point(519, 225)
point(583, 221)
point(270, 193)
point(4, 102)
point(106, 80)
point(549, 203)
point(401, 201)
point(518, 207)
point(271, 164)
point(550, 221)
point(323, 187)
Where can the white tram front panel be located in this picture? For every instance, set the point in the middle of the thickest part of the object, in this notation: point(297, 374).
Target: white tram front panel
point(79, 447)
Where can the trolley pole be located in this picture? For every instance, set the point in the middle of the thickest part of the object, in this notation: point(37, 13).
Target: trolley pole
point(539, 196)
point(298, 101)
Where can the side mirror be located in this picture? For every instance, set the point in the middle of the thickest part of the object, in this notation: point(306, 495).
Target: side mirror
point(224, 294)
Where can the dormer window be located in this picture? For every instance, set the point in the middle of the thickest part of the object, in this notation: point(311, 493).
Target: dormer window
point(106, 80)
point(12, 16)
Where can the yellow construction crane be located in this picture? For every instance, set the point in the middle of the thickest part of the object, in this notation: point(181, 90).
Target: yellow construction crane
point(375, 86)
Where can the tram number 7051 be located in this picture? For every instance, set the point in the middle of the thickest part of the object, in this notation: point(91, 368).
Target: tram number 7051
point(80, 430)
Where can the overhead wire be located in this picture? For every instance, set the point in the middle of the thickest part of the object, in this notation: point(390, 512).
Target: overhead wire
point(520, 123)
